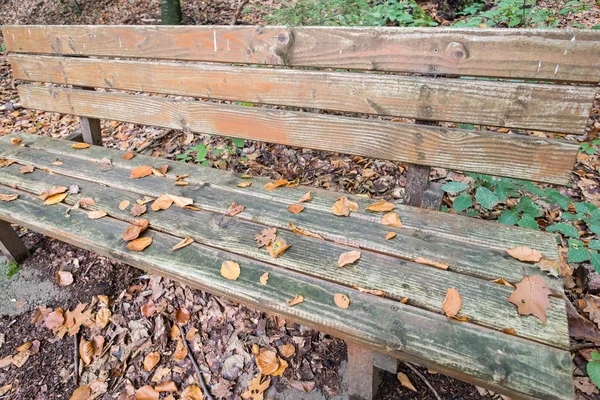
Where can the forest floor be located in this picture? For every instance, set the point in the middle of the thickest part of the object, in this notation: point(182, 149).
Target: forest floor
point(143, 307)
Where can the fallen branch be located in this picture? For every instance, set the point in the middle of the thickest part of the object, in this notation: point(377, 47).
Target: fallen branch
point(238, 11)
point(420, 375)
point(207, 394)
point(76, 358)
point(156, 141)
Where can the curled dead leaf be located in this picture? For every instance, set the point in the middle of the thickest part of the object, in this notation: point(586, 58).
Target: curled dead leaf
point(432, 263)
point(102, 317)
point(147, 393)
point(404, 381)
point(525, 254)
point(52, 191)
point(235, 209)
point(342, 207)
point(341, 300)
point(86, 201)
point(55, 199)
point(510, 331)
point(86, 351)
point(348, 258)
point(180, 351)
point(168, 387)
point(273, 185)
point(151, 360)
point(128, 156)
point(391, 219)
point(137, 209)
point(80, 146)
point(185, 242)
point(296, 300)
point(264, 278)
point(230, 270)
point(306, 197)
point(244, 184)
point(452, 303)
point(531, 297)
point(265, 237)
point(81, 393)
point(267, 362)
point(148, 309)
point(390, 235)
point(282, 367)
point(26, 169)
point(287, 350)
point(64, 278)
point(304, 232)
point(182, 315)
point(501, 281)
point(134, 230)
point(192, 392)
point(97, 214)
point(139, 244)
point(296, 208)
point(382, 206)
point(140, 172)
point(278, 247)
point(163, 202)
point(8, 197)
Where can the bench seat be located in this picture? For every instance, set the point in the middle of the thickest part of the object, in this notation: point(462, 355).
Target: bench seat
point(533, 363)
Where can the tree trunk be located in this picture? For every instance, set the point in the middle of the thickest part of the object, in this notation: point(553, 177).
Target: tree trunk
point(170, 12)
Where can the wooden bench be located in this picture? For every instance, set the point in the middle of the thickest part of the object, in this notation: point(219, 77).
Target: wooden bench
point(438, 65)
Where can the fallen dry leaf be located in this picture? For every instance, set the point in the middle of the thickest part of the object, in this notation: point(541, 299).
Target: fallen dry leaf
point(55, 199)
point(586, 385)
point(148, 309)
point(102, 317)
point(8, 197)
point(141, 172)
point(57, 162)
point(168, 387)
point(404, 381)
point(374, 292)
point(16, 141)
point(163, 202)
point(267, 362)
point(81, 393)
point(391, 219)
point(74, 320)
point(230, 270)
point(235, 209)
point(452, 303)
point(244, 184)
point(192, 392)
point(86, 201)
point(180, 351)
point(19, 359)
point(342, 207)
point(128, 156)
point(304, 232)
point(510, 331)
point(296, 208)
point(390, 235)
point(382, 206)
point(264, 278)
point(282, 367)
point(5, 362)
point(151, 360)
point(137, 209)
point(273, 185)
point(80, 145)
point(181, 202)
point(185, 242)
point(531, 297)
point(287, 350)
point(64, 278)
point(432, 263)
point(54, 319)
point(135, 229)
point(348, 258)
point(52, 191)
point(501, 281)
point(139, 244)
point(307, 197)
point(256, 389)
point(296, 300)
point(303, 386)
point(26, 169)
point(550, 266)
point(182, 315)
point(103, 298)
point(97, 214)
point(526, 254)
point(341, 300)
point(24, 346)
point(277, 248)
point(163, 169)
point(86, 351)
point(265, 237)
point(147, 393)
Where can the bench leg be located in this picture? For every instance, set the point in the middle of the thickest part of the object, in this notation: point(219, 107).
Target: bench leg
point(363, 375)
point(91, 130)
point(11, 245)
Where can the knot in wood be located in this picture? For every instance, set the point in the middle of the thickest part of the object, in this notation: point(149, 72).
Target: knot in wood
point(456, 51)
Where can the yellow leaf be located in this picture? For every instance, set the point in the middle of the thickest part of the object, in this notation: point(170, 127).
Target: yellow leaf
point(264, 278)
point(151, 360)
point(244, 184)
point(390, 235)
point(52, 191)
point(382, 206)
point(295, 208)
point(80, 145)
point(102, 317)
point(391, 219)
point(432, 263)
point(185, 242)
point(452, 303)
point(140, 172)
point(307, 197)
point(348, 258)
point(55, 199)
point(230, 270)
point(341, 300)
point(24, 346)
point(97, 214)
point(278, 247)
point(296, 300)
point(524, 253)
point(404, 381)
point(139, 244)
point(124, 204)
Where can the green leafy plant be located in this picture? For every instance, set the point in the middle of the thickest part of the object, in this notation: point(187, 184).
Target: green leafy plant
point(200, 150)
point(590, 148)
point(593, 368)
point(13, 269)
point(2, 48)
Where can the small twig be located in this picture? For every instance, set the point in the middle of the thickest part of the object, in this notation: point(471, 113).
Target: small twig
point(420, 375)
point(76, 357)
point(580, 346)
point(156, 141)
point(238, 11)
point(207, 394)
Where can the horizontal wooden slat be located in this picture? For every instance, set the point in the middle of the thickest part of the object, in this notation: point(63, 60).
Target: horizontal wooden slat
point(506, 364)
point(517, 53)
point(467, 230)
point(484, 303)
point(504, 155)
point(556, 108)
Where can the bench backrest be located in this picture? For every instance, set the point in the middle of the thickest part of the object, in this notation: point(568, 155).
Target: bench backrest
point(542, 80)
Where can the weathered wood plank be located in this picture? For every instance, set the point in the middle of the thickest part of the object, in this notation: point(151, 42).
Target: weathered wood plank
point(503, 363)
point(468, 230)
point(417, 178)
point(556, 108)
point(472, 259)
point(91, 131)
point(514, 156)
point(11, 245)
point(517, 53)
point(484, 302)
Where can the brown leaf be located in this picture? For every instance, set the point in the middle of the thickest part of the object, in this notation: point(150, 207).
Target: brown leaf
point(24, 346)
point(182, 183)
point(265, 237)
point(296, 208)
point(137, 209)
point(452, 303)
point(304, 232)
point(586, 385)
point(86, 351)
point(256, 388)
point(98, 343)
point(282, 367)
point(8, 197)
point(52, 191)
point(192, 392)
point(74, 320)
point(148, 309)
point(81, 393)
point(57, 162)
point(185, 242)
point(341, 300)
point(168, 386)
point(342, 207)
point(180, 177)
point(432, 263)
point(510, 331)
point(235, 209)
point(550, 266)
point(348, 258)
point(278, 247)
point(151, 360)
point(391, 219)
point(180, 352)
point(296, 300)
point(382, 206)
point(139, 244)
point(147, 393)
point(86, 201)
point(307, 197)
point(404, 381)
point(16, 141)
point(54, 319)
point(128, 156)
point(244, 184)
point(267, 362)
point(175, 332)
point(273, 185)
point(97, 214)
point(134, 230)
point(501, 281)
point(230, 270)
point(57, 198)
point(264, 278)
point(287, 350)
point(80, 145)
point(5, 362)
point(181, 202)
point(303, 386)
point(162, 203)
point(182, 316)
point(163, 169)
point(526, 254)
point(102, 317)
point(103, 298)
point(140, 172)
point(390, 235)
point(19, 359)
point(531, 297)
point(26, 169)
point(64, 278)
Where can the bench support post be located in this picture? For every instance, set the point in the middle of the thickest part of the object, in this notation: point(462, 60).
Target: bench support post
point(363, 374)
point(419, 191)
point(11, 245)
point(90, 128)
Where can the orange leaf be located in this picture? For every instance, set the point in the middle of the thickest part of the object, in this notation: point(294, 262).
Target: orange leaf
point(531, 297)
point(134, 230)
point(452, 303)
point(57, 198)
point(264, 278)
point(139, 244)
point(168, 386)
point(52, 191)
point(287, 350)
point(390, 235)
point(296, 300)
point(86, 351)
point(8, 197)
point(304, 232)
point(501, 281)
point(19, 359)
point(185, 242)
point(140, 172)
point(163, 169)
point(432, 263)
point(273, 185)
point(526, 254)
point(244, 184)
point(26, 169)
point(404, 381)
point(307, 197)
point(97, 214)
point(162, 203)
point(342, 207)
point(235, 209)
point(81, 393)
point(296, 208)
point(182, 315)
point(348, 258)
point(128, 156)
point(278, 247)
point(382, 206)
point(180, 351)
point(282, 366)
point(151, 360)
point(192, 392)
point(80, 145)
point(86, 201)
point(267, 362)
point(550, 266)
point(230, 270)
point(16, 141)
point(124, 204)
point(341, 300)
point(391, 219)
point(510, 331)
point(147, 393)
point(148, 309)
point(54, 319)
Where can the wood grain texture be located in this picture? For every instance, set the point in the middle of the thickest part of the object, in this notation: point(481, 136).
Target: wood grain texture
point(546, 54)
point(503, 363)
point(484, 303)
point(555, 108)
point(11, 245)
point(489, 234)
point(514, 156)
